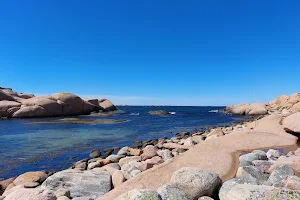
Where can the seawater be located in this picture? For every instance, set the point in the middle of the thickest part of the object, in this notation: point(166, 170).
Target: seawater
point(31, 147)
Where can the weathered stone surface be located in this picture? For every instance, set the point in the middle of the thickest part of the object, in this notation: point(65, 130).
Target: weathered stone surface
point(6, 97)
point(63, 192)
point(118, 178)
point(169, 192)
point(273, 154)
point(292, 123)
point(149, 152)
point(135, 152)
point(7, 108)
point(31, 194)
point(252, 172)
point(81, 184)
point(281, 194)
point(297, 152)
point(112, 167)
point(292, 183)
point(31, 184)
point(95, 164)
point(245, 192)
point(124, 151)
point(107, 105)
point(189, 142)
point(175, 146)
point(62, 198)
point(205, 198)
point(196, 182)
point(127, 160)
point(129, 171)
point(143, 166)
point(228, 185)
point(30, 177)
point(246, 159)
point(95, 153)
point(280, 173)
point(31, 111)
point(5, 183)
point(165, 154)
point(139, 195)
point(115, 158)
point(262, 165)
point(292, 161)
point(155, 160)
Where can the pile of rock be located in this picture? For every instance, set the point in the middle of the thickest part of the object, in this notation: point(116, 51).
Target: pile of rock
point(17, 105)
point(282, 105)
point(262, 175)
point(185, 184)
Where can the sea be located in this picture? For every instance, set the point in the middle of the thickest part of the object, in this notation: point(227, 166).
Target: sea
point(29, 146)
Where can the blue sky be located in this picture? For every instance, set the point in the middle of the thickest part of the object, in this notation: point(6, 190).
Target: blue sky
point(189, 52)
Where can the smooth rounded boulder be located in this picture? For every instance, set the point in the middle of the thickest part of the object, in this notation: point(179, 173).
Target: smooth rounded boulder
point(7, 108)
point(140, 195)
point(107, 105)
point(72, 104)
point(196, 183)
point(292, 123)
point(5, 96)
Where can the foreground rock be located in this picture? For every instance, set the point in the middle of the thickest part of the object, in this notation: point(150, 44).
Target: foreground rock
point(292, 123)
point(89, 184)
point(196, 183)
point(247, 109)
point(31, 194)
point(139, 195)
point(169, 192)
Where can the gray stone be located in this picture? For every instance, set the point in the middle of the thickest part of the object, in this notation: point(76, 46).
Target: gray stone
point(273, 154)
point(165, 154)
point(130, 171)
point(124, 151)
point(263, 165)
point(31, 184)
point(62, 198)
point(115, 158)
point(1, 197)
point(127, 160)
point(281, 194)
point(226, 187)
point(280, 173)
point(169, 192)
point(140, 195)
point(245, 192)
point(252, 172)
point(196, 182)
point(83, 198)
point(246, 159)
point(95, 153)
point(82, 165)
point(81, 184)
point(63, 192)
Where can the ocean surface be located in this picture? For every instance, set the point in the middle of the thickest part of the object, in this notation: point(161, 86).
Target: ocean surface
point(27, 146)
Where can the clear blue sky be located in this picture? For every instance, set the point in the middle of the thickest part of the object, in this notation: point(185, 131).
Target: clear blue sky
point(152, 51)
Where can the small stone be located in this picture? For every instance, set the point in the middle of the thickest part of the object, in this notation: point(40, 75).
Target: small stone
point(280, 173)
point(127, 160)
point(118, 178)
point(139, 194)
point(115, 158)
point(149, 152)
point(195, 182)
point(297, 152)
point(124, 151)
point(273, 154)
point(169, 192)
point(95, 153)
point(143, 166)
point(292, 183)
point(252, 172)
point(135, 152)
point(165, 154)
point(63, 192)
point(262, 165)
point(82, 166)
point(95, 164)
point(30, 177)
point(246, 159)
point(31, 184)
point(155, 160)
point(112, 167)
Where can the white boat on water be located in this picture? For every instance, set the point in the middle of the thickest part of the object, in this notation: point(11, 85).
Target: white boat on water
point(213, 111)
point(134, 114)
point(172, 113)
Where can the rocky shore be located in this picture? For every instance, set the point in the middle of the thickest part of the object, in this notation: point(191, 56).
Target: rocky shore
point(191, 166)
point(19, 105)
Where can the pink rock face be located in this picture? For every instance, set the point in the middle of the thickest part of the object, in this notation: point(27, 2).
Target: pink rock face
point(292, 123)
point(31, 194)
point(7, 106)
point(175, 146)
point(155, 160)
point(292, 161)
point(5, 96)
point(73, 105)
point(292, 183)
point(143, 166)
point(30, 177)
point(5, 183)
point(149, 152)
point(297, 152)
point(106, 104)
point(31, 111)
